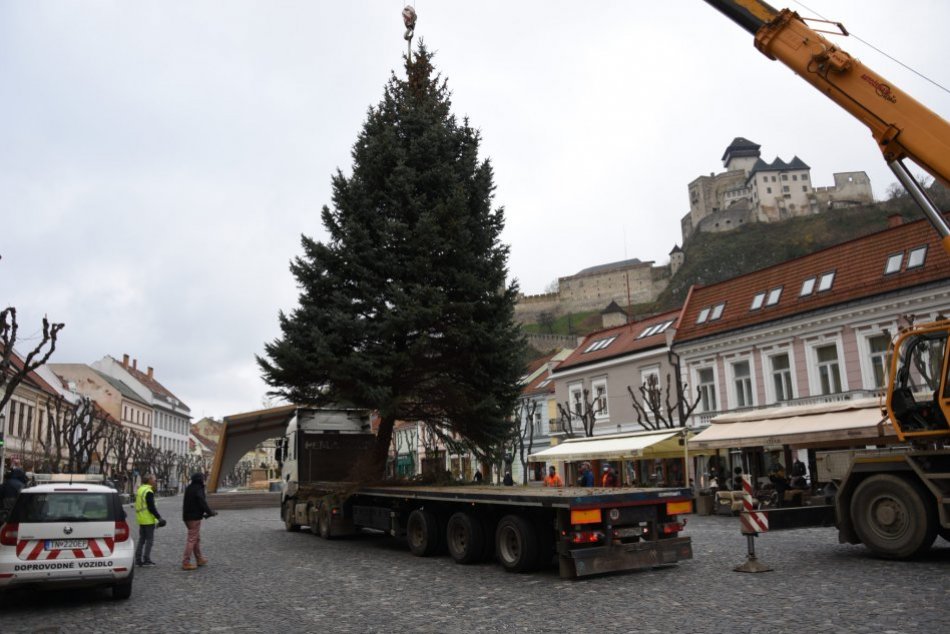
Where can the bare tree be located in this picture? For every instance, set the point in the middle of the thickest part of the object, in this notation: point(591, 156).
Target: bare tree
point(11, 373)
point(583, 413)
point(658, 407)
point(53, 440)
point(524, 419)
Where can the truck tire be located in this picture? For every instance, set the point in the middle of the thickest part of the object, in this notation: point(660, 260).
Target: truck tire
point(893, 516)
point(465, 538)
point(422, 533)
point(516, 544)
point(289, 525)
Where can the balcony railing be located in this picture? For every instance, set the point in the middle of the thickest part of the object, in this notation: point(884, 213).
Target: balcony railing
point(703, 419)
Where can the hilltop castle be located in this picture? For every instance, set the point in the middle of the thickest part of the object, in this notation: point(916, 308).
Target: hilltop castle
point(750, 190)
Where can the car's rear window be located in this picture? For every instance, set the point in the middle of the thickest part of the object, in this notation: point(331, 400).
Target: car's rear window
point(64, 507)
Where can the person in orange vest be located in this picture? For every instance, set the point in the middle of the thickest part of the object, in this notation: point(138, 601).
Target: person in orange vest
point(553, 479)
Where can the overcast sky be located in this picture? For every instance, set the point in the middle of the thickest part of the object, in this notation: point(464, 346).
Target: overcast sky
point(159, 160)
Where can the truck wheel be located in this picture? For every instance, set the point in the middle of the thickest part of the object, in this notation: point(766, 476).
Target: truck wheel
point(465, 538)
point(289, 524)
point(893, 516)
point(516, 544)
point(323, 524)
point(422, 533)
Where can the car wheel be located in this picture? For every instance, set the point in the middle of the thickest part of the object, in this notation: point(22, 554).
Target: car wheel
point(123, 589)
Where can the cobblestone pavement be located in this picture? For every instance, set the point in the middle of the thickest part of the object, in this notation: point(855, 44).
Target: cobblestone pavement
point(262, 579)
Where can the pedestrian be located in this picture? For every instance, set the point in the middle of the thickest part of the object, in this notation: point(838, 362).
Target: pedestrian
point(13, 483)
point(194, 509)
point(609, 478)
point(508, 481)
point(478, 477)
point(553, 479)
point(147, 516)
point(586, 478)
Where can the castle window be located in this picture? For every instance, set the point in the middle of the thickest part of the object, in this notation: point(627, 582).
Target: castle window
point(757, 301)
point(768, 190)
point(773, 179)
point(784, 177)
point(916, 257)
point(804, 177)
point(804, 188)
point(894, 263)
point(785, 188)
point(794, 177)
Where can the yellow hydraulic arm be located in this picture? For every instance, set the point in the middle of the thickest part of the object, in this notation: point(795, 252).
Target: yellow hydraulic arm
point(902, 126)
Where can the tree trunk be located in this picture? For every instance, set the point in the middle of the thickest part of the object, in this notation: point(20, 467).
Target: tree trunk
point(384, 436)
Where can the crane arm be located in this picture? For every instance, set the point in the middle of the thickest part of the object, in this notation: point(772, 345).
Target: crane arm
point(901, 126)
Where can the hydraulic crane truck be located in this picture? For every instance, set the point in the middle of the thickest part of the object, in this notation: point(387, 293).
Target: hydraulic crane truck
point(589, 530)
point(894, 501)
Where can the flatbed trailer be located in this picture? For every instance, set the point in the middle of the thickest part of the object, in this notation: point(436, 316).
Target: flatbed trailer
point(589, 530)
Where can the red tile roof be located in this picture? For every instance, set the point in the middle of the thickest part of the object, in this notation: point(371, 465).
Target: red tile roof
point(152, 384)
point(623, 340)
point(858, 267)
point(32, 378)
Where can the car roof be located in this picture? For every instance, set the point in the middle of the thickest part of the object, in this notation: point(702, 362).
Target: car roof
point(65, 487)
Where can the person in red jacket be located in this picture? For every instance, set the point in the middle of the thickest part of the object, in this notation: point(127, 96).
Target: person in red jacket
point(610, 477)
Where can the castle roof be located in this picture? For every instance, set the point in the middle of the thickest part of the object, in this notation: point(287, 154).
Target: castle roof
point(740, 147)
point(778, 165)
point(603, 268)
point(613, 307)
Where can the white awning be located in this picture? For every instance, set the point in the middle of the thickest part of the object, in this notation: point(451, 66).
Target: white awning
point(860, 421)
point(615, 447)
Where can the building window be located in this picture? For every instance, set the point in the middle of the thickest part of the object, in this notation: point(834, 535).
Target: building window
point(703, 315)
point(785, 188)
point(707, 389)
point(768, 190)
point(784, 177)
point(599, 344)
point(742, 381)
point(829, 374)
point(827, 279)
point(29, 420)
point(599, 388)
point(804, 177)
point(916, 257)
point(577, 400)
point(804, 188)
point(757, 301)
point(12, 417)
point(717, 311)
point(808, 286)
point(782, 377)
point(794, 177)
point(894, 263)
point(877, 350)
point(773, 179)
point(774, 296)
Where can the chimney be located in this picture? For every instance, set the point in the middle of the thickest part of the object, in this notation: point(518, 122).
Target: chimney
point(150, 372)
point(894, 220)
point(125, 360)
point(135, 364)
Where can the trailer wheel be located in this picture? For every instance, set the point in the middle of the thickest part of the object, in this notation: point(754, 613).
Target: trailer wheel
point(422, 533)
point(893, 516)
point(516, 544)
point(465, 538)
point(323, 523)
point(289, 525)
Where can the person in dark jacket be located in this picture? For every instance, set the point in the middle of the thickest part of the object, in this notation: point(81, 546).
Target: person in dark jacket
point(12, 484)
point(194, 509)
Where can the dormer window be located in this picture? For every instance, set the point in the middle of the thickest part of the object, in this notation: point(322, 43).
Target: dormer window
point(717, 311)
point(599, 344)
point(655, 329)
point(894, 263)
point(916, 257)
point(774, 296)
point(825, 282)
point(703, 316)
point(808, 287)
point(757, 301)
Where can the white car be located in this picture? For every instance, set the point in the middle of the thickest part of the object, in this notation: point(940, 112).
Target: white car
point(67, 535)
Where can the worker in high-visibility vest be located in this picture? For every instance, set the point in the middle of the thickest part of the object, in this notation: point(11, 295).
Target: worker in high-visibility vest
point(148, 518)
point(553, 479)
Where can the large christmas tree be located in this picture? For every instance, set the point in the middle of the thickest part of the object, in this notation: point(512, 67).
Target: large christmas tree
point(405, 309)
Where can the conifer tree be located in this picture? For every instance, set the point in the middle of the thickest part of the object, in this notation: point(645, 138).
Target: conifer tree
point(404, 309)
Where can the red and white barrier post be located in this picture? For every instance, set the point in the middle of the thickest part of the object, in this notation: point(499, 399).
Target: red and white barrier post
point(752, 523)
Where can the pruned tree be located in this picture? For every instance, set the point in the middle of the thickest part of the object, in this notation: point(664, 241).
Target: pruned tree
point(82, 429)
point(658, 407)
point(405, 309)
point(581, 413)
point(52, 441)
point(12, 372)
point(525, 420)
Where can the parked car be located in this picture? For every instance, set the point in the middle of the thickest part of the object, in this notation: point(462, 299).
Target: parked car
point(64, 534)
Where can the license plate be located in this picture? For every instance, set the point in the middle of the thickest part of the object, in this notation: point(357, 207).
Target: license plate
point(628, 532)
point(65, 544)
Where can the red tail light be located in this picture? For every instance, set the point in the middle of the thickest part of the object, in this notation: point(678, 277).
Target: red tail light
point(587, 537)
point(121, 531)
point(9, 534)
point(672, 528)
